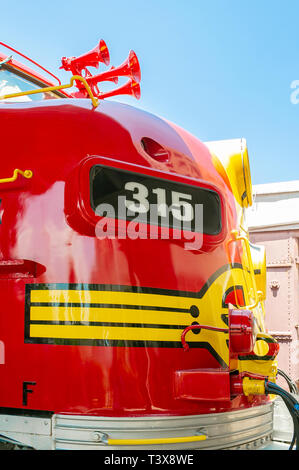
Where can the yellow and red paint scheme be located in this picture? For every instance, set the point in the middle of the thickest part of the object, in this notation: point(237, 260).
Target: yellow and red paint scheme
point(93, 327)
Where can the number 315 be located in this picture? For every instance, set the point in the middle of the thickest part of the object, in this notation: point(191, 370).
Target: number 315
point(180, 208)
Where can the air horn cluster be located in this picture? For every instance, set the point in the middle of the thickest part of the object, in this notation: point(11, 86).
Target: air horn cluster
point(129, 68)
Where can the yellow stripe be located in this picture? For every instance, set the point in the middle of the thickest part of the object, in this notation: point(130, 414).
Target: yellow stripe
point(111, 297)
point(163, 440)
point(107, 332)
point(109, 315)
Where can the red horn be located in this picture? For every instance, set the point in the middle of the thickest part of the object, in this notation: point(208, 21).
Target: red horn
point(129, 68)
point(129, 88)
point(112, 79)
point(90, 59)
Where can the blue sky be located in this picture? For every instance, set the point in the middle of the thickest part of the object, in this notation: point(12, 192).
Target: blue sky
point(220, 69)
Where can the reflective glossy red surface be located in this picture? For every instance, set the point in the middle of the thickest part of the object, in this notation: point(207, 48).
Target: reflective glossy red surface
point(45, 221)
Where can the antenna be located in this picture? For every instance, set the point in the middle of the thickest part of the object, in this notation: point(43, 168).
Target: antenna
point(30, 60)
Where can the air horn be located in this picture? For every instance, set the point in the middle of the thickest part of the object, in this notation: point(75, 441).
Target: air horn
point(92, 58)
point(130, 88)
point(129, 68)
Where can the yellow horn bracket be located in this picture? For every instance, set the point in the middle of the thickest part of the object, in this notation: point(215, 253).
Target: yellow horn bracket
point(27, 174)
point(94, 100)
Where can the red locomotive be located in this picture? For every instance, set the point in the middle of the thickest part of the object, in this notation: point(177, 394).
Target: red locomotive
point(132, 300)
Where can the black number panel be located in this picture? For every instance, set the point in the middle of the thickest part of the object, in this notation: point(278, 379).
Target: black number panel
point(154, 200)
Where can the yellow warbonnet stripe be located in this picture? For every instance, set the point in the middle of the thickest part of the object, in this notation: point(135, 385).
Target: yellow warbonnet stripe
point(118, 315)
point(111, 297)
point(114, 317)
point(106, 332)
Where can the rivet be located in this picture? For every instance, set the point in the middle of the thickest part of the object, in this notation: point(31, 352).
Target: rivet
point(96, 436)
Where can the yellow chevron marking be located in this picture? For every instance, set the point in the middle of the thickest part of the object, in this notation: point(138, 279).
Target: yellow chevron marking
point(117, 315)
point(111, 297)
point(209, 306)
point(107, 332)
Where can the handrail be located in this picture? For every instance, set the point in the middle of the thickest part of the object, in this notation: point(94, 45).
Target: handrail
point(26, 174)
point(167, 440)
point(94, 100)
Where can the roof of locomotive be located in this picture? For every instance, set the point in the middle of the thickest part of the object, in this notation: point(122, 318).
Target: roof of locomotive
point(188, 156)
